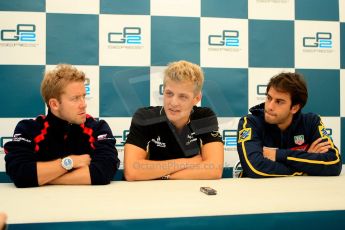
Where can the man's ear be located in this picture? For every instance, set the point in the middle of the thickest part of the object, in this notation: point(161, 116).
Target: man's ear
point(198, 98)
point(295, 108)
point(53, 104)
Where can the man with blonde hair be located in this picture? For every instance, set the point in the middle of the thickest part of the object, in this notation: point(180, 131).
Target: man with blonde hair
point(178, 140)
point(67, 146)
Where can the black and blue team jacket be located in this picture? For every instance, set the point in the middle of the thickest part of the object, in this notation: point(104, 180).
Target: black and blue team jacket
point(153, 132)
point(49, 138)
point(292, 145)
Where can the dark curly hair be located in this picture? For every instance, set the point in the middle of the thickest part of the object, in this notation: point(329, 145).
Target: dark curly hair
point(292, 83)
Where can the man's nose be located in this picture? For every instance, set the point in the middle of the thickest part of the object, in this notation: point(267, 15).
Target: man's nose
point(174, 101)
point(83, 102)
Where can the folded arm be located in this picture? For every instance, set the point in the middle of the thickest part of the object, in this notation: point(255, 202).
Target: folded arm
point(137, 167)
point(78, 176)
point(250, 150)
point(210, 167)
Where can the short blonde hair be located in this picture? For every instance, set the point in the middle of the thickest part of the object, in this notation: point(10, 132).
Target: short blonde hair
point(55, 81)
point(185, 71)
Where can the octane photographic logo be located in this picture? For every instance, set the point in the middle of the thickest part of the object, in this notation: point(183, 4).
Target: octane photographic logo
point(272, 1)
point(22, 35)
point(128, 38)
point(321, 42)
point(229, 138)
point(227, 40)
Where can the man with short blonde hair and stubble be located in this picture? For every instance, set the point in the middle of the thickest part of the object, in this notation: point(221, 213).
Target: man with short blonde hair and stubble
point(67, 146)
point(178, 140)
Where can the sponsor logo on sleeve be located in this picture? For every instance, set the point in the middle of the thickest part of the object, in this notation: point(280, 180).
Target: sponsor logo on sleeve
point(18, 137)
point(299, 139)
point(103, 137)
point(245, 135)
point(191, 138)
point(159, 143)
point(323, 131)
point(215, 134)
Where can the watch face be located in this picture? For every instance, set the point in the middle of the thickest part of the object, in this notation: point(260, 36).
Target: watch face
point(67, 163)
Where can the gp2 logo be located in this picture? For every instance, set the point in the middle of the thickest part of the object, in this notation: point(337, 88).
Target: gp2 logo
point(227, 38)
point(23, 33)
point(321, 40)
point(129, 35)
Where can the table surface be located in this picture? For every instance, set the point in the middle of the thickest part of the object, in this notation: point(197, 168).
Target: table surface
point(123, 200)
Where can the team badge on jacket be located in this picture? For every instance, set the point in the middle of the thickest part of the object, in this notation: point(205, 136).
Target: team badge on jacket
point(245, 134)
point(299, 139)
point(323, 131)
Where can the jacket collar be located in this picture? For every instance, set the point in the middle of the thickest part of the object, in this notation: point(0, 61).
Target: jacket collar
point(55, 121)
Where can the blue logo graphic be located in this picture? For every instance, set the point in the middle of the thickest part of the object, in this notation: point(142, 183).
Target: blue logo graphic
point(3, 140)
point(121, 139)
point(161, 89)
point(261, 90)
point(22, 33)
point(87, 86)
point(129, 36)
point(229, 38)
point(327, 132)
point(229, 137)
point(321, 40)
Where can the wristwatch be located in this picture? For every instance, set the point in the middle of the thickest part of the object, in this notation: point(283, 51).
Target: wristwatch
point(166, 177)
point(67, 163)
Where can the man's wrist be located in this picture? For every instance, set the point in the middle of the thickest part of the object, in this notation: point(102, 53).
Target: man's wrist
point(281, 155)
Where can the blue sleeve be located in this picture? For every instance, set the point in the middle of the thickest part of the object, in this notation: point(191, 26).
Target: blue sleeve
point(20, 157)
point(315, 164)
point(104, 160)
point(249, 147)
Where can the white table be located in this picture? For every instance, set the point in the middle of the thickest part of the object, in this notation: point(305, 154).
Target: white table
point(123, 200)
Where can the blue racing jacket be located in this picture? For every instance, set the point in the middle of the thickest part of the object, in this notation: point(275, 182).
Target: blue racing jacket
point(49, 138)
point(292, 156)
